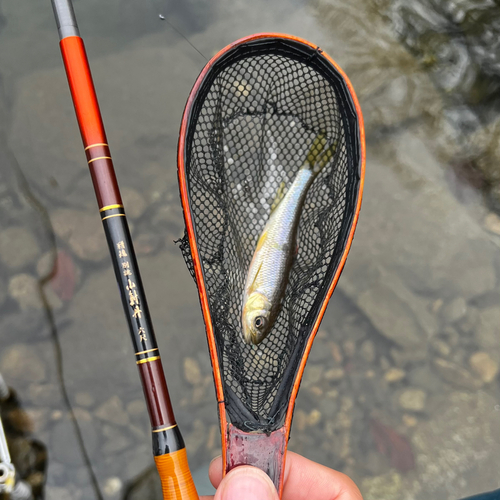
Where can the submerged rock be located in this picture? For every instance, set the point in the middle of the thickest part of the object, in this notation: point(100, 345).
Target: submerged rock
point(456, 375)
point(412, 399)
point(21, 362)
point(25, 290)
point(457, 450)
point(82, 232)
point(482, 364)
point(18, 248)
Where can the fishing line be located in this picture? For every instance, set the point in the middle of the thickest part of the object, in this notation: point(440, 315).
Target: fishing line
point(163, 17)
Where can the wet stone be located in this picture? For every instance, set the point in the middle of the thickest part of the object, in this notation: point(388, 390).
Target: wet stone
point(134, 202)
point(112, 411)
point(349, 348)
point(460, 441)
point(394, 375)
point(441, 347)
point(84, 398)
point(487, 330)
point(63, 444)
point(18, 248)
point(387, 487)
point(59, 493)
point(112, 486)
point(367, 351)
point(25, 290)
point(401, 326)
point(136, 409)
point(334, 374)
point(82, 232)
point(22, 363)
point(115, 440)
point(456, 375)
point(413, 399)
point(454, 310)
point(196, 438)
point(483, 366)
point(312, 374)
point(492, 223)
point(192, 372)
point(3, 292)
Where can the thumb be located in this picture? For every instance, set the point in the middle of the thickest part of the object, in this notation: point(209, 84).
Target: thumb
point(246, 483)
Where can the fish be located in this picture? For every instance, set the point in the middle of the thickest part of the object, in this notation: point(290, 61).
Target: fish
point(267, 275)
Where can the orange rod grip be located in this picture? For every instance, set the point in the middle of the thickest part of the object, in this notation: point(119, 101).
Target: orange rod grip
point(176, 480)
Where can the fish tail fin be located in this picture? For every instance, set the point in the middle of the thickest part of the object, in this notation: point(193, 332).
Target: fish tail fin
point(317, 157)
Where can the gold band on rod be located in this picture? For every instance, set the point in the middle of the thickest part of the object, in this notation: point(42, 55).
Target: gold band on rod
point(109, 207)
point(147, 360)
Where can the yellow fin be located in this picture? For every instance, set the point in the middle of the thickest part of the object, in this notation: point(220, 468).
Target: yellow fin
point(280, 194)
point(325, 158)
point(316, 148)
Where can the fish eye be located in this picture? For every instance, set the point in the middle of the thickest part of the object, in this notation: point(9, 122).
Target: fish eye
point(259, 322)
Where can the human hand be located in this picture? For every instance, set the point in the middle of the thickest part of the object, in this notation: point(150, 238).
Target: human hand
point(304, 480)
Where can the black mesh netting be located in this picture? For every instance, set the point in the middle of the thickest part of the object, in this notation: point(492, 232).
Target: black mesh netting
point(250, 127)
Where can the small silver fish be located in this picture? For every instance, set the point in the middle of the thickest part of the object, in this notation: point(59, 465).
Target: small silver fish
point(273, 258)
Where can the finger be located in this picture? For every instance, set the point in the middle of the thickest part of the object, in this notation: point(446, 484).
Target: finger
point(304, 480)
point(246, 483)
point(307, 480)
point(215, 471)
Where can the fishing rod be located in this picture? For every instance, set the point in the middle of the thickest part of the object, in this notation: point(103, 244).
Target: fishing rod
point(168, 445)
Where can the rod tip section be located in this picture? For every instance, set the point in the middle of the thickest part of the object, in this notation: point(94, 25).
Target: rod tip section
point(176, 480)
point(65, 18)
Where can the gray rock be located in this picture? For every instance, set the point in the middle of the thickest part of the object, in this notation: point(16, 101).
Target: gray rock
point(367, 351)
point(25, 290)
point(387, 486)
point(456, 375)
point(59, 493)
point(458, 450)
point(394, 375)
point(112, 411)
point(192, 372)
point(312, 374)
point(22, 363)
point(487, 332)
point(146, 486)
point(18, 248)
point(3, 292)
point(412, 399)
point(82, 232)
point(390, 313)
point(84, 398)
point(134, 202)
point(483, 366)
point(454, 310)
point(425, 378)
point(112, 486)
point(47, 395)
point(115, 440)
point(64, 445)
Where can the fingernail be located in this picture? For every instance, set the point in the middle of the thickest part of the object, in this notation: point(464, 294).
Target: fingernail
point(248, 483)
